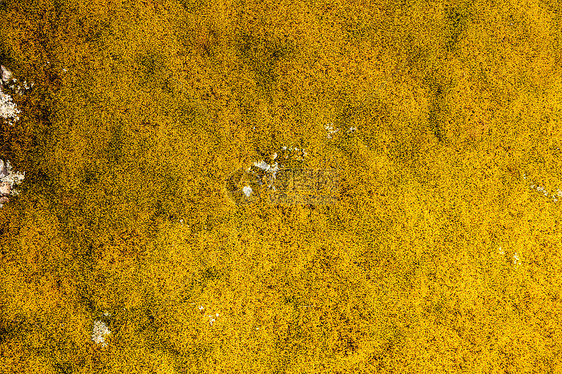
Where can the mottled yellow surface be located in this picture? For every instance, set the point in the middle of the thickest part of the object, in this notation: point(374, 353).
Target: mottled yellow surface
point(437, 257)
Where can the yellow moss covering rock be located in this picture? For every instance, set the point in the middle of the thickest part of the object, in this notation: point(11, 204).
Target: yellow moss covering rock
point(149, 119)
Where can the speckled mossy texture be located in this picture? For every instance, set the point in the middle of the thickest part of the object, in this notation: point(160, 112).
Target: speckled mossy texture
point(123, 252)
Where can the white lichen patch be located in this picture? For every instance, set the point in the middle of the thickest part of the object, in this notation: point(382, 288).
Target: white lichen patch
point(273, 168)
point(262, 165)
point(330, 130)
point(292, 150)
point(544, 191)
point(248, 183)
point(212, 317)
point(516, 260)
point(99, 332)
point(270, 171)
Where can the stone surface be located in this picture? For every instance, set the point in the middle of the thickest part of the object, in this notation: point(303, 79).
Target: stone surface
point(8, 180)
point(5, 188)
point(99, 332)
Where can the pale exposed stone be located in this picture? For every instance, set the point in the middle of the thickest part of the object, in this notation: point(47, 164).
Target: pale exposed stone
point(247, 191)
point(99, 332)
point(5, 188)
point(7, 181)
point(8, 176)
point(8, 109)
point(6, 74)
